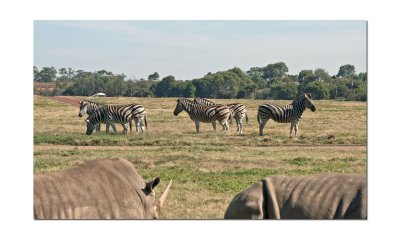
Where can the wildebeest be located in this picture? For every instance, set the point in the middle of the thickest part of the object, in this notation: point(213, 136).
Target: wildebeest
point(325, 196)
point(97, 189)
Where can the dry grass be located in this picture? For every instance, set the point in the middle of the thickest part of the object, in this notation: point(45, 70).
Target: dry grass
point(209, 168)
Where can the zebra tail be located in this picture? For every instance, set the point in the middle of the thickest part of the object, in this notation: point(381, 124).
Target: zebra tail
point(247, 118)
point(145, 120)
point(258, 117)
point(130, 125)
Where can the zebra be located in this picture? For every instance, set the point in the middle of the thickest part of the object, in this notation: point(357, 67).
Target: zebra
point(88, 107)
point(290, 113)
point(206, 114)
point(238, 111)
point(112, 114)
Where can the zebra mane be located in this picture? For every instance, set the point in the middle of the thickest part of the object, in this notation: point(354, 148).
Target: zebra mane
point(301, 98)
point(94, 102)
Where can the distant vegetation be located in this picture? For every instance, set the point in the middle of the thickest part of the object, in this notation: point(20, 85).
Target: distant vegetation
point(269, 82)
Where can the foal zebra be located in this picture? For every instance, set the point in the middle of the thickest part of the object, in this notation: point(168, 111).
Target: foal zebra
point(90, 107)
point(285, 114)
point(238, 111)
point(206, 114)
point(112, 114)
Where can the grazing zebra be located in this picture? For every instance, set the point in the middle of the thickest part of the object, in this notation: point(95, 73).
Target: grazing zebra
point(285, 114)
point(238, 111)
point(88, 107)
point(112, 114)
point(206, 114)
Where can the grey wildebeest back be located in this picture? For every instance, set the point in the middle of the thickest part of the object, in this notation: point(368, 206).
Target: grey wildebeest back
point(325, 196)
point(97, 189)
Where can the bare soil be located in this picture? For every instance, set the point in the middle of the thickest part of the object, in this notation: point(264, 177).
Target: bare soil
point(66, 99)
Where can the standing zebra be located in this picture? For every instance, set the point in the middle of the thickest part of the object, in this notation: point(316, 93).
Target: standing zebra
point(238, 111)
point(112, 114)
point(206, 114)
point(285, 114)
point(90, 107)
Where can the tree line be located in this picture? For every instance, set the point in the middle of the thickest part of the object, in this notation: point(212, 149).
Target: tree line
point(268, 82)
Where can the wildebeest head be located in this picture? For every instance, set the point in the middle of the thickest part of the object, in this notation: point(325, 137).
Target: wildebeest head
point(179, 106)
point(309, 103)
point(82, 107)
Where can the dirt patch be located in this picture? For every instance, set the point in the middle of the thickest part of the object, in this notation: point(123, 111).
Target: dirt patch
point(66, 99)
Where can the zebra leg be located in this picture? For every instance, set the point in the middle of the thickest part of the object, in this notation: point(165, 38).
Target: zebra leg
point(125, 126)
point(295, 129)
point(136, 125)
point(113, 127)
point(225, 124)
point(241, 126)
point(214, 124)
point(141, 124)
point(237, 124)
point(262, 125)
point(293, 125)
point(197, 126)
point(130, 125)
point(291, 129)
point(97, 127)
point(107, 127)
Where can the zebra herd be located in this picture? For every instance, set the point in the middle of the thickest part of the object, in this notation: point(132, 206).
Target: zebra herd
point(199, 110)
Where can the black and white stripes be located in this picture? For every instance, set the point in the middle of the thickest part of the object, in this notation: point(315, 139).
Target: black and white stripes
point(117, 114)
point(238, 111)
point(206, 114)
point(285, 114)
point(88, 107)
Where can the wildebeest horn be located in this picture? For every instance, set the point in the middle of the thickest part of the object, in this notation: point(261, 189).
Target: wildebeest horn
point(164, 194)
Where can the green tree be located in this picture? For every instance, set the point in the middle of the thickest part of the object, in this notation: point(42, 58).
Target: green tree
point(166, 87)
point(256, 74)
point(47, 74)
point(347, 71)
point(65, 74)
point(278, 69)
point(35, 74)
point(322, 75)
point(154, 77)
point(363, 76)
point(283, 90)
point(318, 90)
point(184, 89)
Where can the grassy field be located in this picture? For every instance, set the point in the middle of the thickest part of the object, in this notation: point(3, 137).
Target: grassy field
point(209, 168)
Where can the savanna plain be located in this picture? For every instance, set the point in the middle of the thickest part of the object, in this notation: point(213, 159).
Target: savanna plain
point(208, 169)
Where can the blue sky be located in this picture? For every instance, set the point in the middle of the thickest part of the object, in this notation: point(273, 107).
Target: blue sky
point(191, 49)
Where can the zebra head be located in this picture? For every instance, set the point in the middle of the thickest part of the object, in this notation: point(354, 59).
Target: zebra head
point(308, 103)
point(82, 107)
point(90, 125)
point(179, 106)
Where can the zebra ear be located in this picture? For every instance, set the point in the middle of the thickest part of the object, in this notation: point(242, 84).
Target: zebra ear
point(86, 120)
point(309, 95)
point(80, 102)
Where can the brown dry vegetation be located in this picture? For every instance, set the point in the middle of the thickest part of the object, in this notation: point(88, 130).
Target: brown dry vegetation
point(209, 168)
